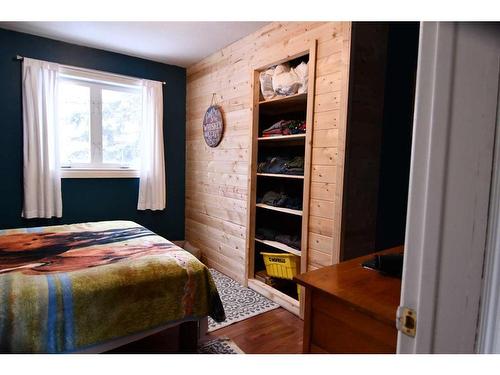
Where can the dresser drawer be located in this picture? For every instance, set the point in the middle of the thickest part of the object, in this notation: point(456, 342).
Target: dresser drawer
point(336, 327)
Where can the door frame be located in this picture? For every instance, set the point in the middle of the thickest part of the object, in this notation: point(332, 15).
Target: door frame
point(488, 340)
point(450, 180)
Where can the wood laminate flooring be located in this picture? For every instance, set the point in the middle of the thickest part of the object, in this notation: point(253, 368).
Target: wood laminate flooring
point(273, 332)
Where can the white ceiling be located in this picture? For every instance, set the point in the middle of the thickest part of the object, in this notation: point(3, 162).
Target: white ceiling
point(176, 43)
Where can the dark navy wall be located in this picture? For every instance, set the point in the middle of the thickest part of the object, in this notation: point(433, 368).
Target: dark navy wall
point(90, 199)
point(397, 129)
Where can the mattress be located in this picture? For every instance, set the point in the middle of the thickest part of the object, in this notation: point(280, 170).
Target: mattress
point(68, 288)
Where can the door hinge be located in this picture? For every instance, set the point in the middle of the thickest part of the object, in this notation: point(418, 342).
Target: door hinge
point(406, 321)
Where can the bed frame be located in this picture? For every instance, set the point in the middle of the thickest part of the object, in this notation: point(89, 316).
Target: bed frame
point(190, 334)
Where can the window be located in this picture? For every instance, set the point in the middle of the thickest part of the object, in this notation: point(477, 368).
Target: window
point(100, 124)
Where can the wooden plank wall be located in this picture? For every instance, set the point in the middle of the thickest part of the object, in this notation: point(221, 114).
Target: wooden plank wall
point(216, 178)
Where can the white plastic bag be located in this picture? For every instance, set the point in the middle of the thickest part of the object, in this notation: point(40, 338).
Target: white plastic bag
point(302, 72)
point(266, 83)
point(289, 81)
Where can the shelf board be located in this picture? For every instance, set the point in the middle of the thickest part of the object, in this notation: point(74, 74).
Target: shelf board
point(285, 98)
point(284, 104)
point(280, 246)
point(280, 175)
point(282, 299)
point(280, 209)
point(283, 137)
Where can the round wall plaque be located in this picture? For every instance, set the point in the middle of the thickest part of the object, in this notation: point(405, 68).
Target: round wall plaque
point(213, 126)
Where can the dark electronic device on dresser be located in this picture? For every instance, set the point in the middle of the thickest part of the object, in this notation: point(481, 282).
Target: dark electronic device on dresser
point(387, 264)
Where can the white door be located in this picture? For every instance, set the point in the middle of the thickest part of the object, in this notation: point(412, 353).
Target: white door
point(450, 177)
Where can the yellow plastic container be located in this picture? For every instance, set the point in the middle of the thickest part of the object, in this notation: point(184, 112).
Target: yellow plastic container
point(283, 266)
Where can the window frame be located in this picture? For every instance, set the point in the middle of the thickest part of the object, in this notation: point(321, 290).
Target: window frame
point(96, 82)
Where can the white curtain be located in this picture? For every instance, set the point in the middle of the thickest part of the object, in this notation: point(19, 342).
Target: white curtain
point(152, 187)
point(42, 179)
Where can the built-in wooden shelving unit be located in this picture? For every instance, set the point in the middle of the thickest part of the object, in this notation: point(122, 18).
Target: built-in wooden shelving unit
point(296, 221)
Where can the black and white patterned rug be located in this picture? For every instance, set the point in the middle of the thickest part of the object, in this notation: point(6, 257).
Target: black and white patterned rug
point(221, 345)
point(239, 303)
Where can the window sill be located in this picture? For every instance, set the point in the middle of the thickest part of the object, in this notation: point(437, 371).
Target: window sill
point(98, 173)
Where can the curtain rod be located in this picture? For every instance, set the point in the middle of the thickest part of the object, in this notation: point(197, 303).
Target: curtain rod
point(19, 57)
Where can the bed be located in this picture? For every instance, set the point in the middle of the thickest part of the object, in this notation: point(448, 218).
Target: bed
point(89, 287)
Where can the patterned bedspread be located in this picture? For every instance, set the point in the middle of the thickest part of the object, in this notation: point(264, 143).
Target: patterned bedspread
point(70, 287)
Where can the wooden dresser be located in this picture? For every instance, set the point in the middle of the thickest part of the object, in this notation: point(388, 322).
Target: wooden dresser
point(350, 309)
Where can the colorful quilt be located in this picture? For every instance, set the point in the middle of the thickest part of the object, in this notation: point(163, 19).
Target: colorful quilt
point(70, 287)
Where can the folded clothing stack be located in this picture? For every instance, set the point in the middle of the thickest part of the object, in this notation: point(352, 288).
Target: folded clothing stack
point(282, 165)
point(285, 127)
point(292, 240)
point(280, 199)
